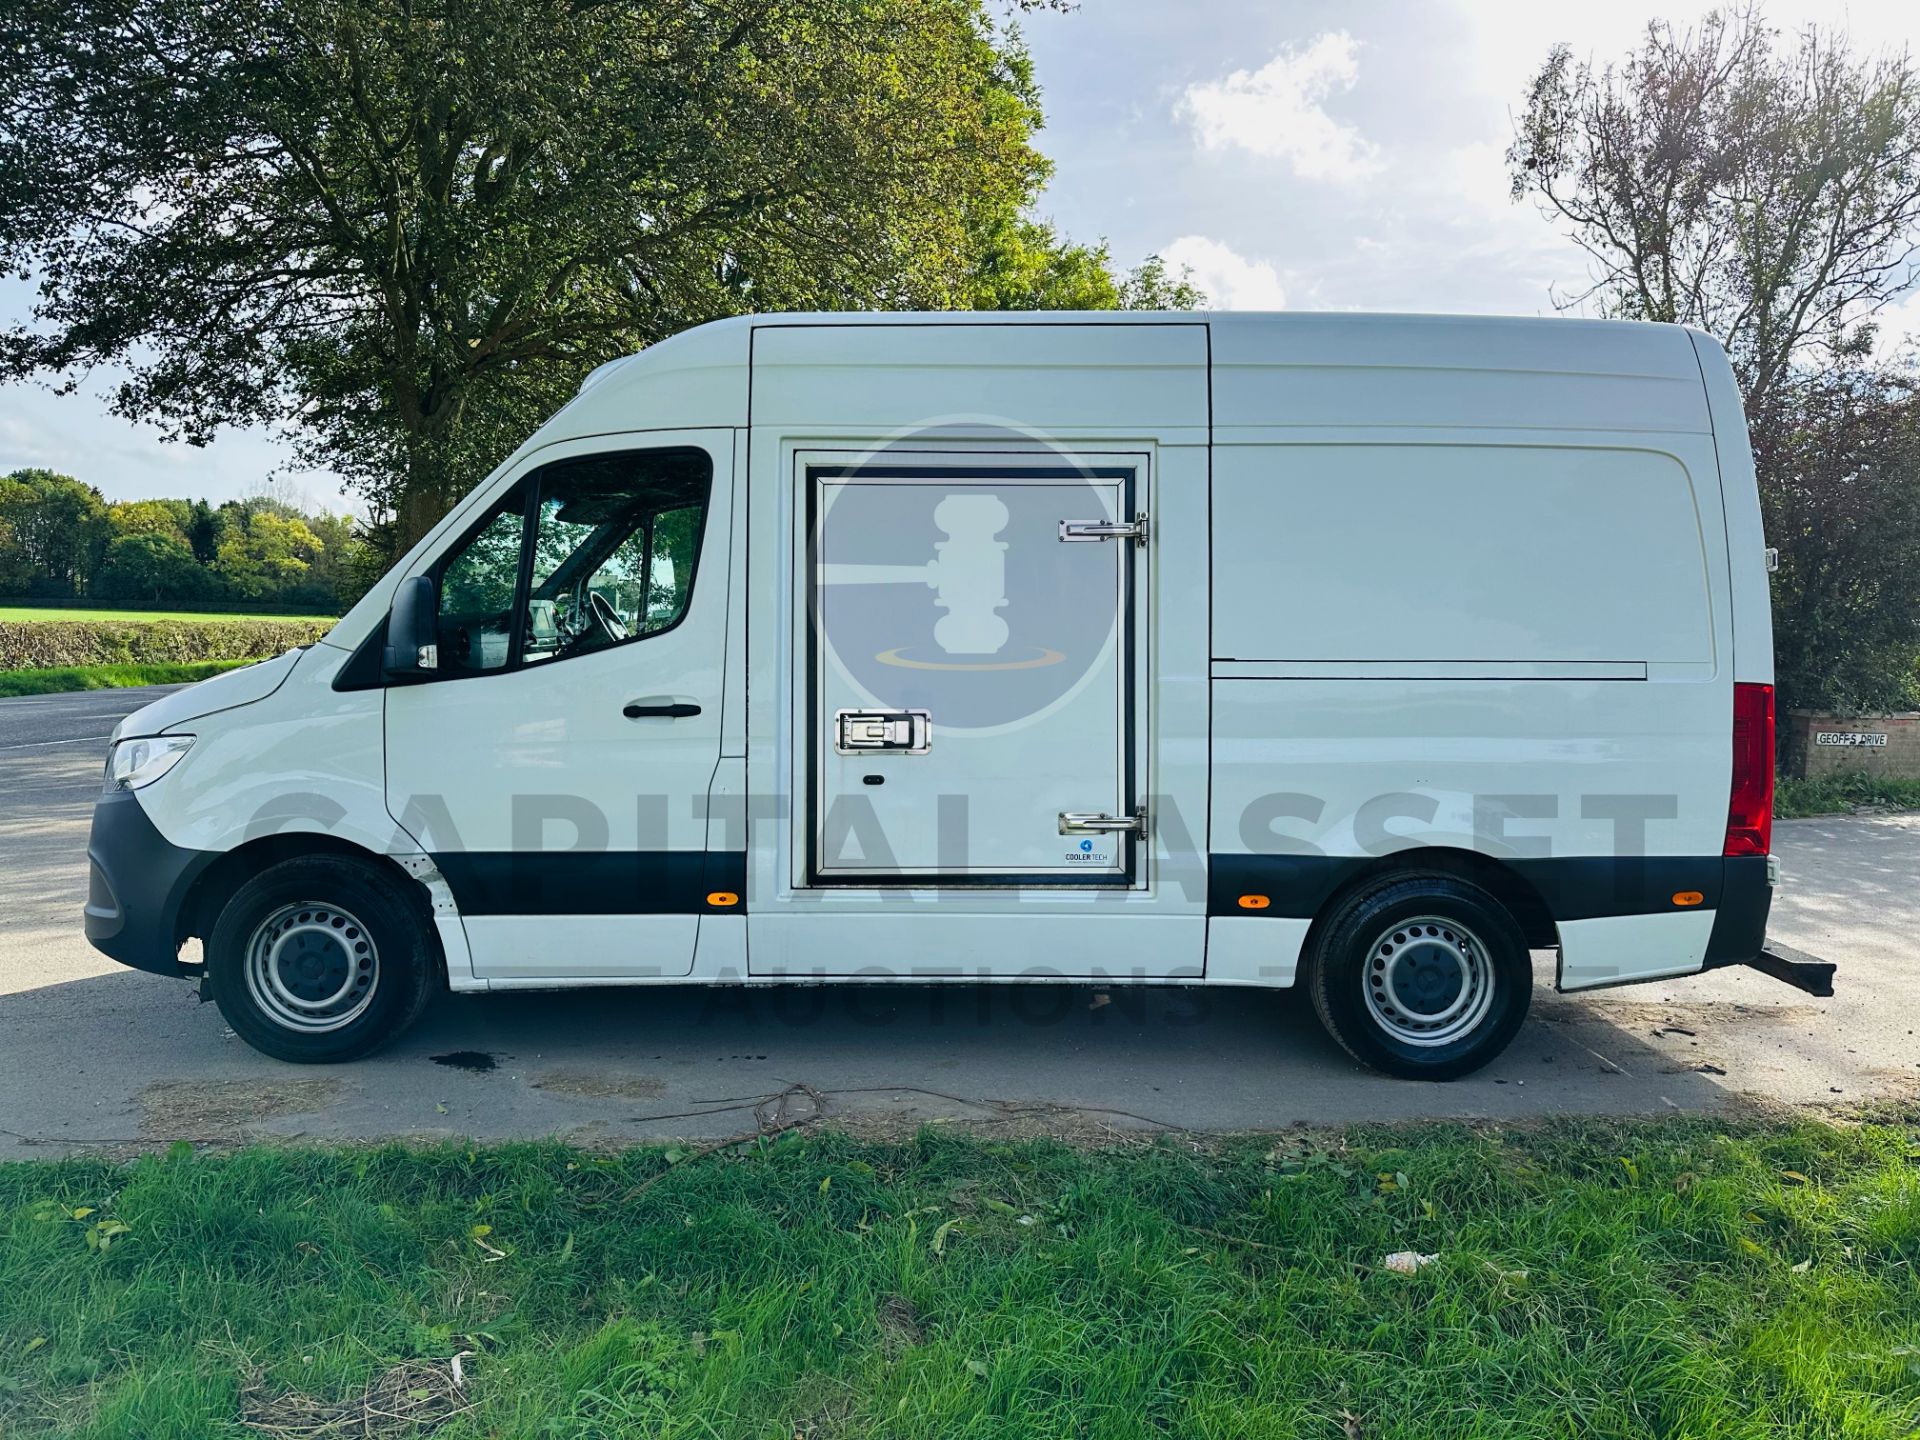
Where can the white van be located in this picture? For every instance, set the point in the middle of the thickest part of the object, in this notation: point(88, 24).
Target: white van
point(1359, 652)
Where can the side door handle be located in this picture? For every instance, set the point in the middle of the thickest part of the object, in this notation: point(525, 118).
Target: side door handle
point(672, 710)
point(1095, 822)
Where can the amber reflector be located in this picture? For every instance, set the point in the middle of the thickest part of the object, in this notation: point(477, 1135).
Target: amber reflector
point(1688, 897)
point(1254, 902)
point(723, 897)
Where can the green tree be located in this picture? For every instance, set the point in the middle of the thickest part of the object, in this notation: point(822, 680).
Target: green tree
point(1024, 264)
point(333, 579)
point(15, 572)
point(263, 553)
point(59, 527)
point(203, 527)
point(1768, 193)
point(149, 517)
point(1150, 286)
point(1843, 505)
point(406, 230)
point(148, 566)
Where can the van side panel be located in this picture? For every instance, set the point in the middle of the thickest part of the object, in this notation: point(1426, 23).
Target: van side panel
point(1752, 598)
point(1410, 372)
point(887, 383)
point(1516, 769)
point(1471, 591)
point(1460, 552)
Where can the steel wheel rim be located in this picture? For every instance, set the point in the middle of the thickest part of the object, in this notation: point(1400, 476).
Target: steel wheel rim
point(312, 967)
point(1429, 981)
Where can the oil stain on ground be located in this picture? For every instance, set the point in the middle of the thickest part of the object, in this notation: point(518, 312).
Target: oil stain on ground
point(478, 1060)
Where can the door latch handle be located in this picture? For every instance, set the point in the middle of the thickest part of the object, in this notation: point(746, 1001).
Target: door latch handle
point(903, 732)
point(675, 710)
point(1074, 531)
point(1092, 822)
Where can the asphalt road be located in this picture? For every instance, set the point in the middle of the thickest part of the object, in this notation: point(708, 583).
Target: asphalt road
point(94, 1055)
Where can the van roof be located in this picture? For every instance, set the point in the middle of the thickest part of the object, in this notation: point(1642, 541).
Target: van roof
point(700, 375)
point(1381, 327)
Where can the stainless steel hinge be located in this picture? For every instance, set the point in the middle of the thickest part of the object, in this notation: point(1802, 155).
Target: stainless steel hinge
point(1093, 822)
point(1773, 558)
point(1074, 531)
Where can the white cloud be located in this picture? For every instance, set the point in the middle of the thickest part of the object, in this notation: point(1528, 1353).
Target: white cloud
point(1230, 280)
point(1421, 119)
point(1276, 111)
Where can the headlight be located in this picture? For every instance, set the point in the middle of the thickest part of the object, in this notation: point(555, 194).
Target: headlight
point(134, 763)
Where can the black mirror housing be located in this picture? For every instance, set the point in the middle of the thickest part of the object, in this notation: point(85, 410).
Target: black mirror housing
point(412, 646)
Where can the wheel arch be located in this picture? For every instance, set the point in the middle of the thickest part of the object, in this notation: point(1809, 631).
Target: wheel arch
point(217, 884)
point(1500, 880)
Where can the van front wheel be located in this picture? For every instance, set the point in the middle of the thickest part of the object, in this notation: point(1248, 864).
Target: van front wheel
point(320, 958)
point(1424, 976)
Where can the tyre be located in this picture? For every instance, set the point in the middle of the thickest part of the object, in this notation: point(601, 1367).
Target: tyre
point(1422, 975)
point(321, 958)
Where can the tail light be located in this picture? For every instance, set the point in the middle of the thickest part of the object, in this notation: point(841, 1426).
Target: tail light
point(1750, 807)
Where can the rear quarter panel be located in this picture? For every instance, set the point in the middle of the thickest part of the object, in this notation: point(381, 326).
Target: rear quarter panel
point(1436, 652)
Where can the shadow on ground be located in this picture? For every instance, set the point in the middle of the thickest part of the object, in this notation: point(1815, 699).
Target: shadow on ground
point(695, 1062)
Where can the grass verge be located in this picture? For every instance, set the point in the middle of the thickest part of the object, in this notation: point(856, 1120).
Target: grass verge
point(1838, 794)
point(1669, 1278)
point(108, 677)
point(56, 614)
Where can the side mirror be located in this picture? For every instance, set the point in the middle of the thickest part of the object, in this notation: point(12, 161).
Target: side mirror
point(412, 639)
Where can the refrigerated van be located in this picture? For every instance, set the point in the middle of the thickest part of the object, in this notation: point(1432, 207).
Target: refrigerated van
point(1361, 653)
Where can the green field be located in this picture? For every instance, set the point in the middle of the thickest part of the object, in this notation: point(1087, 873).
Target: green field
point(37, 614)
point(61, 679)
point(1657, 1278)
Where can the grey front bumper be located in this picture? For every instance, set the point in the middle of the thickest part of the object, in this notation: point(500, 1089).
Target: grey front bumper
point(137, 887)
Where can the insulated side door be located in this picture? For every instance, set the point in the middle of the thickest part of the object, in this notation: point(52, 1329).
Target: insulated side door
point(977, 650)
point(972, 657)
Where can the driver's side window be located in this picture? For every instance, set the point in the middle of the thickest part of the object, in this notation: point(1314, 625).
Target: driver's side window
point(614, 543)
point(479, 584)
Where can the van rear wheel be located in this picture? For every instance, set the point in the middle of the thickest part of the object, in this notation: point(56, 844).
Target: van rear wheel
point(1422, 975)
point(321, 958)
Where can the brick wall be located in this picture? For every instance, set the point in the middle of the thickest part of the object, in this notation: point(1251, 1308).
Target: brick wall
point(1900, 756)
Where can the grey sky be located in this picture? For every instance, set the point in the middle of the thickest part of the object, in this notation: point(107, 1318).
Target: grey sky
point(1312, 155)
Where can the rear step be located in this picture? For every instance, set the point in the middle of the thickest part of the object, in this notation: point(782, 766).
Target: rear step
point(1796, 968)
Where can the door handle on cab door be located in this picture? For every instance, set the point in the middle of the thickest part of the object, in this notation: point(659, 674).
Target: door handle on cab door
point(671, 709)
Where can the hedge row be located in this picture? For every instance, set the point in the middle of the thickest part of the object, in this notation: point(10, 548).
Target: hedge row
point(39, 645)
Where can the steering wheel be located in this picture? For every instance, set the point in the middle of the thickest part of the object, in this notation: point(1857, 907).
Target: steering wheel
point(605, 616)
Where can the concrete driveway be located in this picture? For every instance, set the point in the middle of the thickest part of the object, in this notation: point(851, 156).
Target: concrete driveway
point(94, 1055)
